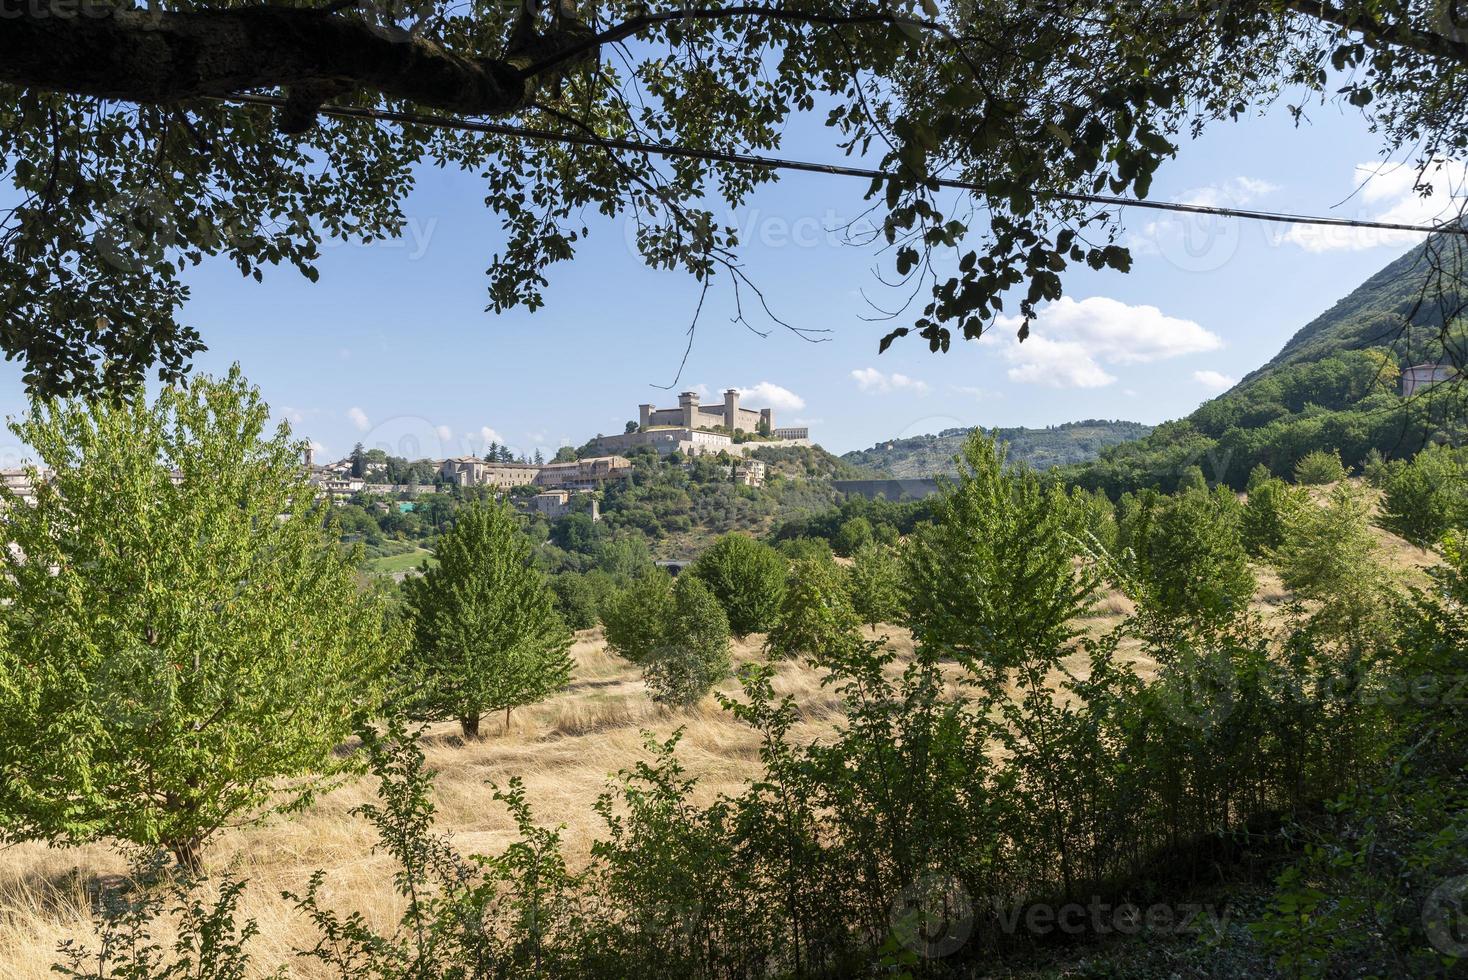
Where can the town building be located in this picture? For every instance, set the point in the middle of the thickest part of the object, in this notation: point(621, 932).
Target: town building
point(471, 471)
point(559, 503)
point(584, 474)
point(1420, 376)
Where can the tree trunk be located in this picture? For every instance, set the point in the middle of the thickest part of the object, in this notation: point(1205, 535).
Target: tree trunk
point(470, 725)
point(507, 721)
point(189, 854)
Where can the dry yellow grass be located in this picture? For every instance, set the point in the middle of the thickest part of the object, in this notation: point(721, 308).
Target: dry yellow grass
point(564, 750)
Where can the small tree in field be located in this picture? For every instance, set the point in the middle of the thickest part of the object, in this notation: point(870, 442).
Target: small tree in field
point(636, 618)
point(815, 613)
point(184, 643)
point(486, 636)
point(875, 583)
point(1188, 558)
point(1272, 505)
point(695, 655)
point(747, 577)
point(1318, 468)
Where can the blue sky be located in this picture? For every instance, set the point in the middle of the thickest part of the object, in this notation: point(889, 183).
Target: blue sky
point(393, 347)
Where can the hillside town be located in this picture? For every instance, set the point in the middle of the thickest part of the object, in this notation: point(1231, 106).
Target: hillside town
point(689, 430)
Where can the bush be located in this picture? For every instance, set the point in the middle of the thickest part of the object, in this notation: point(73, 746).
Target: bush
point(194, 647)
point(1329, 557)
point(1271, 506)
point(1427, 496)
point(485, 633)
point(636, 618)
point(815, 613)
point(581, 596)
point(747, 577)
point(695, 655)
point(875, 582)
point(1188, 559)
point(1319, 467)
point(851, 536)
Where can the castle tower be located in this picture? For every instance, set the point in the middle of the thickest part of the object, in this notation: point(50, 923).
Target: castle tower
point(731, 409)
point(767, 419)
point(688, 402)
point(644, 416)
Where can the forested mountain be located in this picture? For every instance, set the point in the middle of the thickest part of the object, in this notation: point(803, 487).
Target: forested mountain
point(1041, 448)
point(1335, 386)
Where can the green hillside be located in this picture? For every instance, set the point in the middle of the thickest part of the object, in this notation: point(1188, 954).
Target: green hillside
point(1335, 386)
point(1042, 448)
point(1396, 308)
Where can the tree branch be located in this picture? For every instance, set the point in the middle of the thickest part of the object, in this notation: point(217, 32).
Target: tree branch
point(1378, 34)
point(163, 57)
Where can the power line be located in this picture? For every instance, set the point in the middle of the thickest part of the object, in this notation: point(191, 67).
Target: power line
point(806, 166)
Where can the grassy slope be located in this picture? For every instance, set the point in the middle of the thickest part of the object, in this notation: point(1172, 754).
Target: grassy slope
point(397, 564)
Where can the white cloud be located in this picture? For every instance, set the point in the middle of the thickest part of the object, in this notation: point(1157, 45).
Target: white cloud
point(488, 435)
point(444, 433)
point(1213, 380)
point(769, 394)
point(1200, 242)
point(359, 418)
point(294, 416)
point(319, 448)
point(1388, 193)
point(1071, 339)
point(875, 382)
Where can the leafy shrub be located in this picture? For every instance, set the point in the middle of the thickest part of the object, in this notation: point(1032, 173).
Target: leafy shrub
point(1187, 557)
point(636, 618)
point(695, 653)
point(851, 536)
point(1428, 496)
point(1268, 512)
point(747, 577)
point(875, 583)
point(1318, 467)
point(816, 611)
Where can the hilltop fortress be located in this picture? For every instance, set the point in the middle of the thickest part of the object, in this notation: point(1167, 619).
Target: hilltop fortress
point(694, 429)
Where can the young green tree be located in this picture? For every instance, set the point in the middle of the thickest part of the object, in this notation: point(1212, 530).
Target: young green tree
point(1271, 506)
point(1319, 467)
point(1427, 496)
point(748, 577)
point(184, 643)
point(486, 636)
point(636, 618)
point(875, 583)
point(816, 611)
point(851, 536)
point(991, 581)
point(695, 653)
point(1329, 557)
point(1188, 559)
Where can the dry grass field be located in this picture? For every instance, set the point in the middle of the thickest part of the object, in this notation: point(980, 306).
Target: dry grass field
point(565, 750)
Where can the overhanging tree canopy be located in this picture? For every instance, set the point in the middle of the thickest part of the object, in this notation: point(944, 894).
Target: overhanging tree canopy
point(129, 161)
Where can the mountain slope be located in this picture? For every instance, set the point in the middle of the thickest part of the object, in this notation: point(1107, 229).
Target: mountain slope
point(1334, 386)
point(1056, 445)
point(1398, 307)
